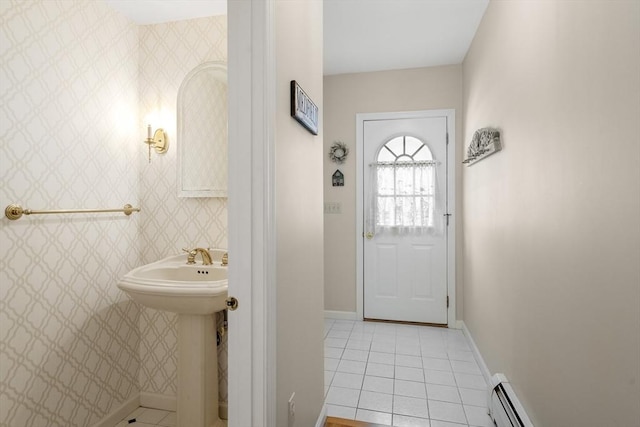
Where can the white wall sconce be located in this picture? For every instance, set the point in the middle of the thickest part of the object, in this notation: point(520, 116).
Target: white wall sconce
point(158, 141)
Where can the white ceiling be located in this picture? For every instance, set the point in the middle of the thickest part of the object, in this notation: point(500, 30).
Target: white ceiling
point(373, 35)
point(146, 12)
point(359, 35)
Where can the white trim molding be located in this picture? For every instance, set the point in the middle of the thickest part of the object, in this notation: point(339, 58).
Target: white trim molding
point(158, 401)
point(450, 115)
point(476, 353)
point(118, 414)
point(322, 418)
point(252, 331)
point(341, 315)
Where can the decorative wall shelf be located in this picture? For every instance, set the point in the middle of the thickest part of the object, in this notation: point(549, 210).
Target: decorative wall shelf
point(485, 142)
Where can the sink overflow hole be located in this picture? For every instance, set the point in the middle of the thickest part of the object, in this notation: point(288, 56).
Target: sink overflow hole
point(203, 272)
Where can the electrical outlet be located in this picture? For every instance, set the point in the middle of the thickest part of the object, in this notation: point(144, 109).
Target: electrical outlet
point(292, 410)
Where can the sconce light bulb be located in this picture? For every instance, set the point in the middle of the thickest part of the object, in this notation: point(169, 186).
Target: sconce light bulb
point(148, 131)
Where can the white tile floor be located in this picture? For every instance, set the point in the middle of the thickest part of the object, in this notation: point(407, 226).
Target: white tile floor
point(402, 375)
point(147, 417)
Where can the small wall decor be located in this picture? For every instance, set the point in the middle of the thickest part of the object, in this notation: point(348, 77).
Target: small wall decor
point(338, 152)
point(485, 142)
point(303, 109)
point(337, 179)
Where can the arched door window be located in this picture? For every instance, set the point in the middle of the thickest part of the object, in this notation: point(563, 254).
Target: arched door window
point(405, 186)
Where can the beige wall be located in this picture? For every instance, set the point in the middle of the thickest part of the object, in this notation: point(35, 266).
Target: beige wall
point(552, 241)
point(299, 228)
point(345, 95)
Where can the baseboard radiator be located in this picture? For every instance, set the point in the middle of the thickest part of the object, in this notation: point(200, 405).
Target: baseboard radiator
point(504, 407)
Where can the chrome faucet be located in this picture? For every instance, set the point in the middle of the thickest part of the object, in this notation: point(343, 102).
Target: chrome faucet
point(192, 253)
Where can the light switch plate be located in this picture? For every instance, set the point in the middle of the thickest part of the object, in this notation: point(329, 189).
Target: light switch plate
point(332, 208)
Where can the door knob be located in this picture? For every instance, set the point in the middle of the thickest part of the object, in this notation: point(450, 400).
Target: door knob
point(232, 303)
point(369, 235)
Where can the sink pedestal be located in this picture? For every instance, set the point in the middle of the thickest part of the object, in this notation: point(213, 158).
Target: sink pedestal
point(196, 292)
point(197, 371)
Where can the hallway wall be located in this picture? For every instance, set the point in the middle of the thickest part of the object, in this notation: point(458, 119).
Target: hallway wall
point(298, 219)
point(552, 238)
point(385, 91)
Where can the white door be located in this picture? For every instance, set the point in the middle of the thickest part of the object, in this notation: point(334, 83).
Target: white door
point(405, 241)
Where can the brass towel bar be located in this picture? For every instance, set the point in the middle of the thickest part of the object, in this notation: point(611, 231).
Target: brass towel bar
point(14, 211)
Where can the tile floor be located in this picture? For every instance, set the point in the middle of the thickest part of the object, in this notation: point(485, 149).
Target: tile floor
point(147, 417)
point(391, 374)
point(402, 375)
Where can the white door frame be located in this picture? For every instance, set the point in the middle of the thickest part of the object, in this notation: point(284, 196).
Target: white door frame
point(450, 208)
point(252, 328)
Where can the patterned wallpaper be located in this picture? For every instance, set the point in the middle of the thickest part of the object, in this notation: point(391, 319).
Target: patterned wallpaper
point(168, 223)
point(69, 139)
point(78, 84)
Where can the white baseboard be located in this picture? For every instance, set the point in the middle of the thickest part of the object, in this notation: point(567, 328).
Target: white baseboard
point(223, 410)
point(119, 413)
point(158, 401)
point(476, 353)
point(322, 418)
point(459, 324)
point(170, 403)
point(340, 315)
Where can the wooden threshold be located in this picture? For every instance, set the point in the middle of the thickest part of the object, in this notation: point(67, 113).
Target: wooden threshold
point(341, 422)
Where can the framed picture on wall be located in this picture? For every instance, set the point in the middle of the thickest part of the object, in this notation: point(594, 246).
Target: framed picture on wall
point(303, 109)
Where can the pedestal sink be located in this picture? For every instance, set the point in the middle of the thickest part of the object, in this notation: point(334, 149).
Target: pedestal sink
point(196, 292)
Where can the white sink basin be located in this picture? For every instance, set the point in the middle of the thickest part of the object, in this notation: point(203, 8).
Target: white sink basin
point(172, 285)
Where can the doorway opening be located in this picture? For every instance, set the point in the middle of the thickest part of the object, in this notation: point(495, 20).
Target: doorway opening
point(405, 195)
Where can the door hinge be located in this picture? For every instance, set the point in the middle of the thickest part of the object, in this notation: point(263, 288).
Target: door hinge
point(447, 138)
point(447, 301)
point(447, 215)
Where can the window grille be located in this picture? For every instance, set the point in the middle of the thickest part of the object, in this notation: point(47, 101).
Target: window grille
point(404, 184)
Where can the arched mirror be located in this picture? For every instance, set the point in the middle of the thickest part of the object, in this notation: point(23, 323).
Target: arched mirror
point(202, 132)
